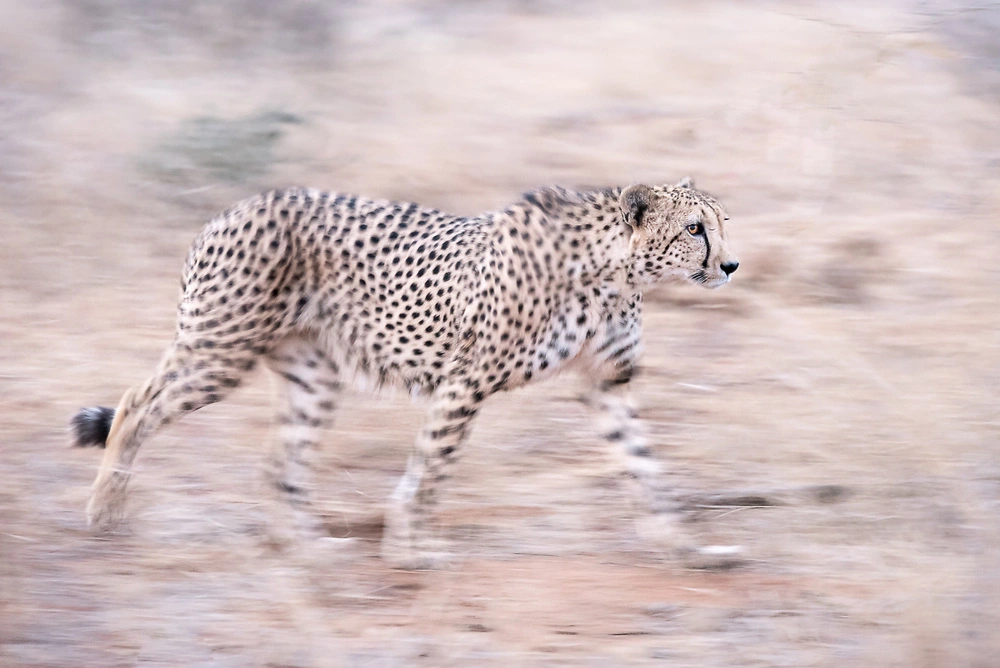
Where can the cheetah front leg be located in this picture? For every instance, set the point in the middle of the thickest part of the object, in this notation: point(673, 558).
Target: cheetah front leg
point(408, 539)
point(618, 423)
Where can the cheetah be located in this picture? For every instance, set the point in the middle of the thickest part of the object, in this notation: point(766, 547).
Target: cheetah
point(328, 289)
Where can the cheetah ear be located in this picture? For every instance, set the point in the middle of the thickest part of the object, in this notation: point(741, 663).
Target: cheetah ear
point(686, 182)
point(634, 201)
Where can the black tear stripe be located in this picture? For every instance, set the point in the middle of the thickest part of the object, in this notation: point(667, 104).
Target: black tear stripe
point(708, 250)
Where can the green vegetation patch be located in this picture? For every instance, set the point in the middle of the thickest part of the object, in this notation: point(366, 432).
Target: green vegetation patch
point(212, 150)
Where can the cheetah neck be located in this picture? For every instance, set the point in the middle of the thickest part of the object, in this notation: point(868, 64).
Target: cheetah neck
point(574, 238)
point(602, 242)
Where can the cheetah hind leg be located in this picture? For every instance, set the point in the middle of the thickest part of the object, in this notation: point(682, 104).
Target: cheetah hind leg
point(186, 380)
point(308, 386)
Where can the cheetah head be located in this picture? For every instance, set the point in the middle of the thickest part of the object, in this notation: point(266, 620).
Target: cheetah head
point(678, 232)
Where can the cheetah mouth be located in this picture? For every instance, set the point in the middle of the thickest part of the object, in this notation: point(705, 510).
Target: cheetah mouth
point(707, 280)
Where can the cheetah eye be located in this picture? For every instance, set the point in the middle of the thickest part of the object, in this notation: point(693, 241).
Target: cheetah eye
point(694, 229)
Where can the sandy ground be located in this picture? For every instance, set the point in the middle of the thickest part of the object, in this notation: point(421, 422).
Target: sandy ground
point(848, 375)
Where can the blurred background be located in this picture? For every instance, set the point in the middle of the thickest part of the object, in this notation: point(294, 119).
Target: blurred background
point(848, 375)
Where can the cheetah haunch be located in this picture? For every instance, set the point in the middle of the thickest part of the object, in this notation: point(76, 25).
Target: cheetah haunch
point(327, 288)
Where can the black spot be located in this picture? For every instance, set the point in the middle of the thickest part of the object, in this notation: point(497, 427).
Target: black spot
point(292, 378)
point(288, 488)
point(463, 412)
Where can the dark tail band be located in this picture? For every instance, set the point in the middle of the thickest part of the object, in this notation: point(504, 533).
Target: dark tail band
point(90, 426)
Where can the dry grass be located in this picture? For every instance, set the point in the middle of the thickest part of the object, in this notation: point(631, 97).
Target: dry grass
point(850, 372)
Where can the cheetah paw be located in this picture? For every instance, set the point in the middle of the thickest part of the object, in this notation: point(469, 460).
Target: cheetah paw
point(716, 557)
point(105, 513)
point(407, 558)
point(423, 561)
point(667, 531)
point(327, 550)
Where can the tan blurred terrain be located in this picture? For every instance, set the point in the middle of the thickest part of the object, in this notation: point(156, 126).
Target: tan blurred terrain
point(850, 371)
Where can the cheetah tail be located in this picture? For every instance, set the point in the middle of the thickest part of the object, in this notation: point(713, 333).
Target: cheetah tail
point(90, 426)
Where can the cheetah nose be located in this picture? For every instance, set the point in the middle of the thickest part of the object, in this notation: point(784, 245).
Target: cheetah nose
point(730, 267)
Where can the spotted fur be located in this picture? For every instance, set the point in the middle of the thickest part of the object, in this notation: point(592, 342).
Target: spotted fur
point(328, 289)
